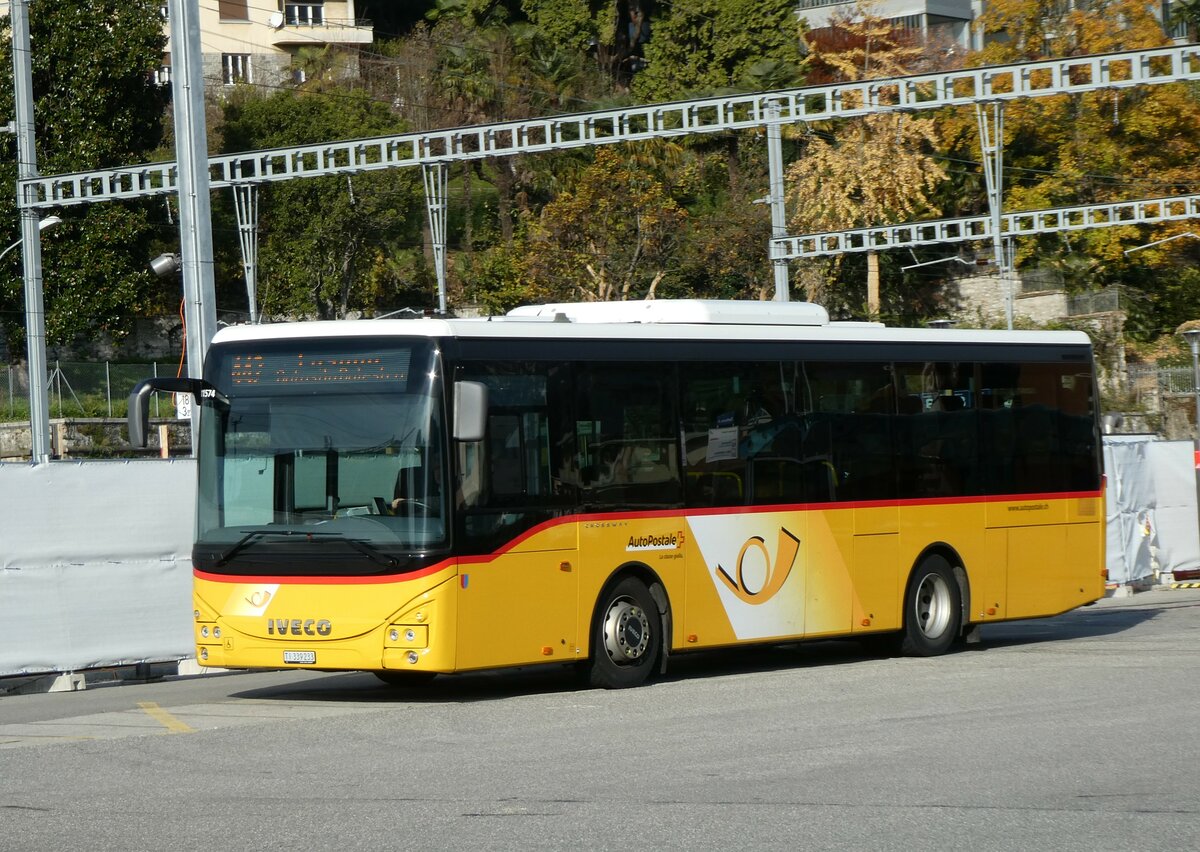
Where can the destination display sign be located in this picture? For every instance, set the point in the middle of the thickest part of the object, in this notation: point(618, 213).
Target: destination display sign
point(318, 367)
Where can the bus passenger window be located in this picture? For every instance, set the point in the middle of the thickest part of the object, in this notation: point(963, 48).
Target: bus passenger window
point(628, 444)
point(854, 405)
point(937, 429)
point(742, 434)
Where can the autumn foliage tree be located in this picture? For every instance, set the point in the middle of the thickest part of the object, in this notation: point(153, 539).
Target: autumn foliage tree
point(864, 171)
point(613, 236)
point(1119, 144)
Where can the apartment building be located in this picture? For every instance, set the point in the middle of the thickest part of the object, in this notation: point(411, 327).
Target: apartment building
point(261, 41)
point(943, 22)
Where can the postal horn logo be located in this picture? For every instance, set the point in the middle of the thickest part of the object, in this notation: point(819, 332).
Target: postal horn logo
point(777, 571)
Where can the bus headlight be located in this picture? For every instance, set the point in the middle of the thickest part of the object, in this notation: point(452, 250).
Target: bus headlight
point(408, 636)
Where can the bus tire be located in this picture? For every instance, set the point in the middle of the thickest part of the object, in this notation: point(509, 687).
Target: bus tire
point(932, 609)
point(626, 636)
point(402, 679)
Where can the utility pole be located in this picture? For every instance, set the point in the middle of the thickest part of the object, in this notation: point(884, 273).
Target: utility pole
point(195, 210)
point(778, 215)
point(991, 141)
point(31, 251)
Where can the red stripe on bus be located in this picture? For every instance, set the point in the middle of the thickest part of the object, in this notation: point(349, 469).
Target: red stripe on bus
point(484, 558)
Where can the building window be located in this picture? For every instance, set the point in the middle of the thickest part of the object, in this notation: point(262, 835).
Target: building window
point(1176, 29)
point(909, 23)
point(235, 68)
point(304, 14)
point(233, 10)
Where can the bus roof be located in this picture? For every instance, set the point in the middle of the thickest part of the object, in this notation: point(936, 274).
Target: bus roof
point(674, 311)
point(660, 319)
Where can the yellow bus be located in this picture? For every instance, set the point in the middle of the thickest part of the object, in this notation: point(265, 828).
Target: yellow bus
point(613, 484)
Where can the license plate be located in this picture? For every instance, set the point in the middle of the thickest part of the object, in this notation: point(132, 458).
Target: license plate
point(302, 657)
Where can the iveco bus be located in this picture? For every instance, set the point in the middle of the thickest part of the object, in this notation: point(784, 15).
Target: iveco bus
point(614, 484)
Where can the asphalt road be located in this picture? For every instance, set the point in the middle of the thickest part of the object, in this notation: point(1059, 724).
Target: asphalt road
point(1072, 733)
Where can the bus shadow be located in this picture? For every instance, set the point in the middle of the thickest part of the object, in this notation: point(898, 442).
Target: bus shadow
point(364, 687)
point(1083, 623)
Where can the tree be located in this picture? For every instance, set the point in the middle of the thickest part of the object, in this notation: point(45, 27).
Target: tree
point(1114, 145)
point(701, 46)
point(324, 241)
point(612, 237)
point(96, 105)
point(573, 25)
point(871, 170)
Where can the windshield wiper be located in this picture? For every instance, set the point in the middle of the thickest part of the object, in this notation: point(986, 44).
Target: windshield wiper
point(373, 553)
point(250, 538)
point(365, 548)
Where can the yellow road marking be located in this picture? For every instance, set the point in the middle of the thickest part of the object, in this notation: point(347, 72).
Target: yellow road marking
point(175, 726)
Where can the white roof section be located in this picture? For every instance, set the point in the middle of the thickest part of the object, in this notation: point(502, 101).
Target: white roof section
point(661, 319)
point(687, 311)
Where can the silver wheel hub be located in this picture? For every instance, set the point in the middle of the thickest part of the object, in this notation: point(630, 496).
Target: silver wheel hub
point(933, 606)
point(626, 632)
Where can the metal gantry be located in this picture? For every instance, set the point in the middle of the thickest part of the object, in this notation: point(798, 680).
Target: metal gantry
point(245, 204)
point(984, 88)
point(718, 114)
point(1149, 211)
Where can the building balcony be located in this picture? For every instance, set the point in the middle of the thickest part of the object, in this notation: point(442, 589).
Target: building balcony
point(322, 31)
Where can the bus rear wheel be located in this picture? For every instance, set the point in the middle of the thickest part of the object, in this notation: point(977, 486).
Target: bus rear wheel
point(627, 636)
point(932, 609)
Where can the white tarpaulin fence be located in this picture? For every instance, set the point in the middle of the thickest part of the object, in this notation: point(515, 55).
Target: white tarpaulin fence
point(1152, 522)
point(95, 557)
point(95, 564)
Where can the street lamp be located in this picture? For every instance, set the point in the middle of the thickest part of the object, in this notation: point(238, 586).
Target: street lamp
point(1163, 240)
point(166, 265)
point(954, 258)
point(48, 222)
point(1192, 335)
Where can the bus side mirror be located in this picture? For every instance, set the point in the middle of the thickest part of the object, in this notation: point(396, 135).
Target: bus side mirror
point(138, 416)
point(470, 411)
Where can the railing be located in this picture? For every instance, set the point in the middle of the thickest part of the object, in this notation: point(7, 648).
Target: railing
point(1148, 385)
point(1098, 302)
point(1176, 380)
point(82, 389)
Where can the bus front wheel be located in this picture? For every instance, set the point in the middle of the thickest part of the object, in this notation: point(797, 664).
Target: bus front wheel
point(627, 636)
point(932, 609)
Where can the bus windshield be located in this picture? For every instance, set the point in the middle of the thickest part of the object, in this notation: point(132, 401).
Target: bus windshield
point(321, 456)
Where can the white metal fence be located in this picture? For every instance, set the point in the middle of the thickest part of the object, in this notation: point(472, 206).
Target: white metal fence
point(81, 388)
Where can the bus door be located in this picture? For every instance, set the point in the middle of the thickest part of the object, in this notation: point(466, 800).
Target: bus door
point(518, 572)
point(1042, 439)
point(750, 482)
point(854, 572)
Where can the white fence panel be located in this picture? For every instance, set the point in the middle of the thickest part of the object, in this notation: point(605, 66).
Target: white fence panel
point(95, 564)
point(1152, 519)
